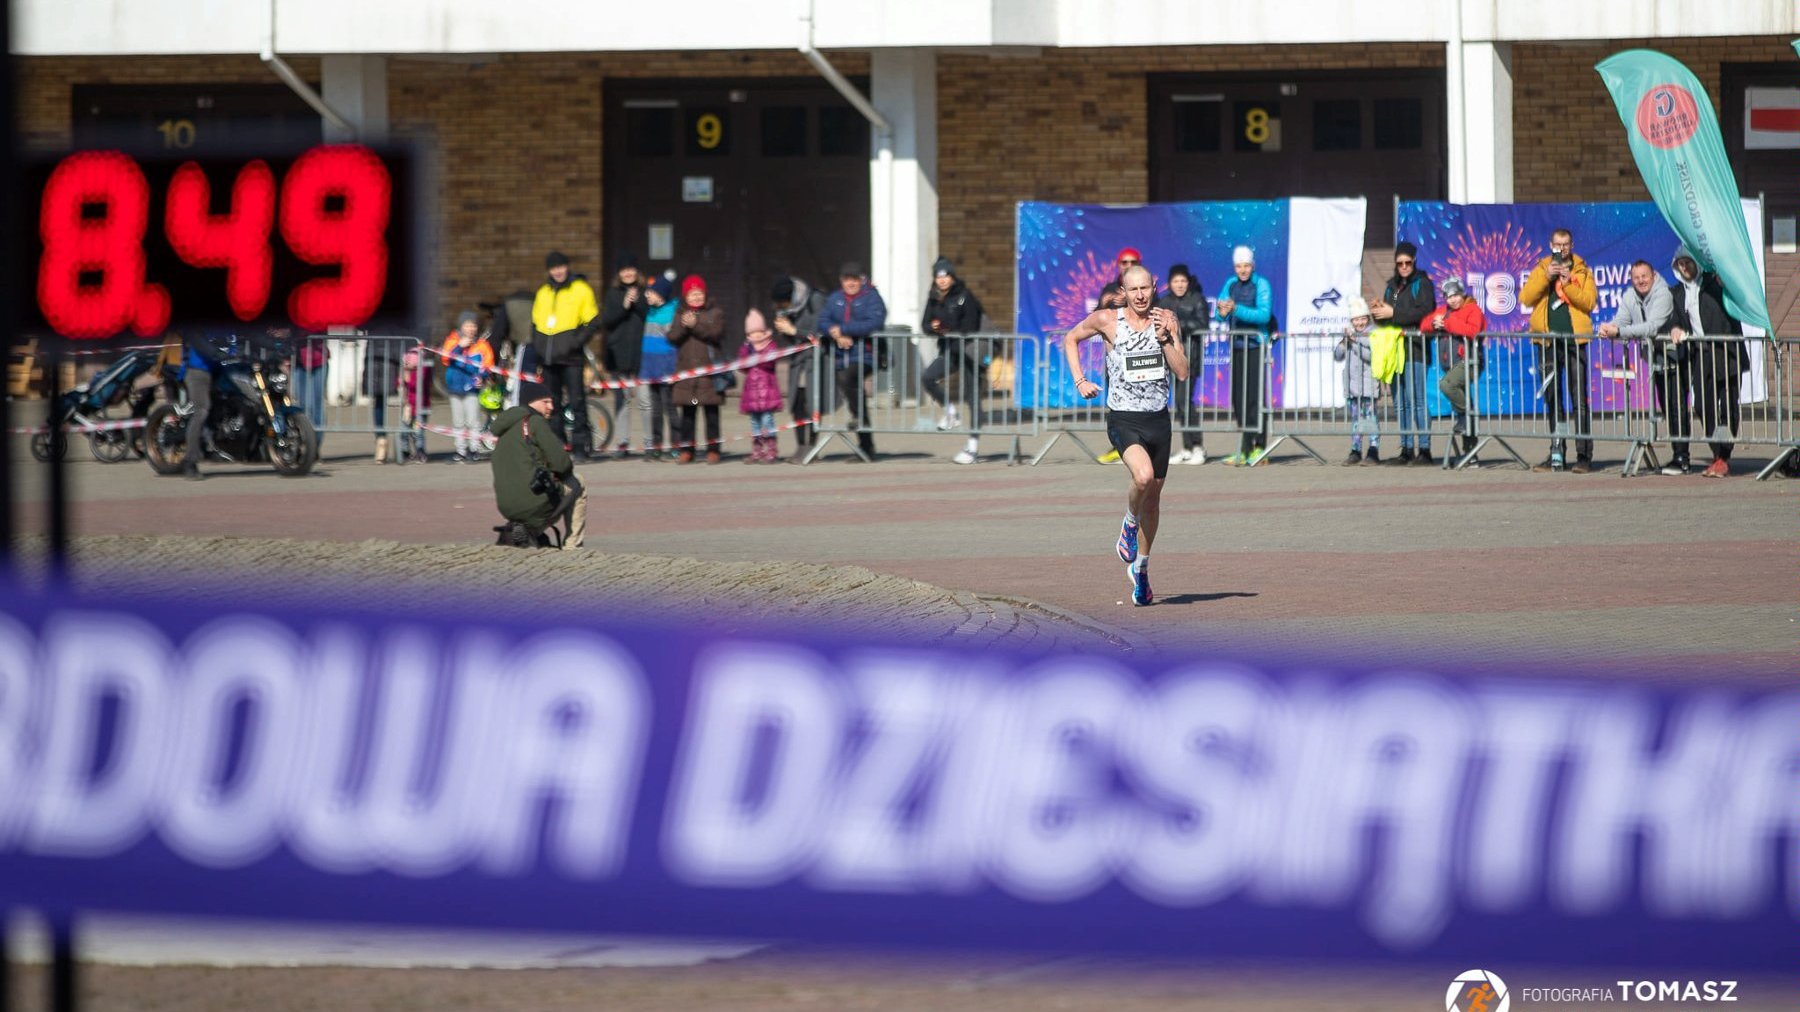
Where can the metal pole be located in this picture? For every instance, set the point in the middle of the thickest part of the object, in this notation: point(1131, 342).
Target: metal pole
point(63, 983)
point(58, 557)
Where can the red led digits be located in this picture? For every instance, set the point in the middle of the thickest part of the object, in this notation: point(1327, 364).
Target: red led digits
point(237, 240)
point(334, 210)
point(92, 218)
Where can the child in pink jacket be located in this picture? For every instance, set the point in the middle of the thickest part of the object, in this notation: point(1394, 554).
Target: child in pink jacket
point(762, 393)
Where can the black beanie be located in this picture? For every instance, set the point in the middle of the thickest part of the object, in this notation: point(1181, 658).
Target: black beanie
point(782, 291)
point(532, 390)
point(624, 260)
point(555, 259)
point(1181, 269)
point(1406, 249)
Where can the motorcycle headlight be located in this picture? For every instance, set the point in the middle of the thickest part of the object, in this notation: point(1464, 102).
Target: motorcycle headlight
point(278, 382)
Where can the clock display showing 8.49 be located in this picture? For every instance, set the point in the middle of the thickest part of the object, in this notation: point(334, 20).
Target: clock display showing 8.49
point(137, 245)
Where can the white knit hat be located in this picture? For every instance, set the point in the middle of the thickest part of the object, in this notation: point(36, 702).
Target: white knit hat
point(1243, 255)
point(1359, 306)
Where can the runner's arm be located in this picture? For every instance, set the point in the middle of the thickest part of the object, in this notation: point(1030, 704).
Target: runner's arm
point(1175, 354)
point(1093, 326)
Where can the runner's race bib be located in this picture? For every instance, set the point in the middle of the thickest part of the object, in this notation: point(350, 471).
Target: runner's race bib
point(1146, 368)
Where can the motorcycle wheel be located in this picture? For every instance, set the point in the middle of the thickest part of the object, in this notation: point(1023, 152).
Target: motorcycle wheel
point(296, 454)
point(110, 447)
point(165, 439)
point(49, 446)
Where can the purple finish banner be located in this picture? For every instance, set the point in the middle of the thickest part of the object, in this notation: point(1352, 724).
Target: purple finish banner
point(354, 766)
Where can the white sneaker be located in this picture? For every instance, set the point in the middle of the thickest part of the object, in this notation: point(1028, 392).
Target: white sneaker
point(949, 420)
point(1182, 457)
point(963, 457)
point(1194, 456)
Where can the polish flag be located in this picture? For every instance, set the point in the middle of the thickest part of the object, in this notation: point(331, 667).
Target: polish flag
point(1771, 118)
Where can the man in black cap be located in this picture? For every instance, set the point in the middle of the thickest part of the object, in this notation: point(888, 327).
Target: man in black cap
point(853, 313)
point(622, 350)
point(796, 319)
point(534, 477)
point(562, 316)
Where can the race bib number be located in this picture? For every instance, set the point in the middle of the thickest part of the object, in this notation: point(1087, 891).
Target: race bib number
point(1144, 368)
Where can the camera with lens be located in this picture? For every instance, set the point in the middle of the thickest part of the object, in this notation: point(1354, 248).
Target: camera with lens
point(545, 484)
point(1560, 258)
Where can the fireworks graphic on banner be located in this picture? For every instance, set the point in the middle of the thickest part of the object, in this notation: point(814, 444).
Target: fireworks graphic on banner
point(1073, 300)
point(1048, 235)
point(1491, 264)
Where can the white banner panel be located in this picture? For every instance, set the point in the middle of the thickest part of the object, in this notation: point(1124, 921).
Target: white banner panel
point(1325, 246)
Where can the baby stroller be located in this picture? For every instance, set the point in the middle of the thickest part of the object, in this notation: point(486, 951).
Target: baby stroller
point(90, 404)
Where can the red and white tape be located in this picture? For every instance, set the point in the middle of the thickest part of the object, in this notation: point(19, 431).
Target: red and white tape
point(759, 358)
point(128, 423)
point(496, 370)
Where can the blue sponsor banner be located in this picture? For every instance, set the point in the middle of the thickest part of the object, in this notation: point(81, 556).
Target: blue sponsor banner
point(1067, 253)
point(1493, 247)
point(356, 765)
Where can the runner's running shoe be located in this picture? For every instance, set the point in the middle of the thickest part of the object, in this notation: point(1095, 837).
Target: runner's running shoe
point(1128, 541)
point(1140, 584)
point(1109, 457)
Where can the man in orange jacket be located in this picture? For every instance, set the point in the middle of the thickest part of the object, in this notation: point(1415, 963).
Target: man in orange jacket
point(1560, 293)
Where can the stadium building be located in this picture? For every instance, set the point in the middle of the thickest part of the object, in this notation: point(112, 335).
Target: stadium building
point(740, 140)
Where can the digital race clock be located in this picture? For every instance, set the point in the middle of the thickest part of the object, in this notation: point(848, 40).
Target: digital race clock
point(125, 244)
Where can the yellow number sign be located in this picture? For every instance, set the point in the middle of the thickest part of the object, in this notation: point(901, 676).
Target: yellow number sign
point(1256, 125)
point(709, 130)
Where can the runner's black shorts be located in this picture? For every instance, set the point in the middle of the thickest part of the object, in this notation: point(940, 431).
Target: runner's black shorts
point(1148, 429)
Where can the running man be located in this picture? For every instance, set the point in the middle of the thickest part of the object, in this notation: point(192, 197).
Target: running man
point(1143, 345)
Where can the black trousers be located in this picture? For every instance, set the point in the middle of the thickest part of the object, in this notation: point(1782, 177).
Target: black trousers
point(1184, 392)
point(1717, 377)
point(1671, 384)
point(1246, 395)
point(967, 368)
point(199, 391)
point(685, 438)
point(851, 394)
point(1570, 359)
point(568, 389)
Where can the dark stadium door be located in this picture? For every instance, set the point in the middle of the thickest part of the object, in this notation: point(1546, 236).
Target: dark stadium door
point(202, 118)
point(738, 181)
point(1325, 134)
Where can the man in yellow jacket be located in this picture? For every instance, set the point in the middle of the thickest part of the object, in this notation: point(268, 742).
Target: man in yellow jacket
point(562, 316)
point(1560, 293)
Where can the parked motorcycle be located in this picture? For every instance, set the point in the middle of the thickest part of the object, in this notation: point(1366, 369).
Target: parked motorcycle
point(253, 417)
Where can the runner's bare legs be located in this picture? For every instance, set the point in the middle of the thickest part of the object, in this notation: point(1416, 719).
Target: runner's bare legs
point(1145, 498)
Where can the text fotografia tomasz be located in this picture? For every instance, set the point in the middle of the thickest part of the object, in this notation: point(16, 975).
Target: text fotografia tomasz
point(1637, 990)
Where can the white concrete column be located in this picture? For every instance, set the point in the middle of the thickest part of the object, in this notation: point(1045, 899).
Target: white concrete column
point(903, 201)
point(356, 88)
point(1480, 92)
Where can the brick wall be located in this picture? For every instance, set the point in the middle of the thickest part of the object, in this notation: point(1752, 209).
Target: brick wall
point(1071, 125)
point(520, 139)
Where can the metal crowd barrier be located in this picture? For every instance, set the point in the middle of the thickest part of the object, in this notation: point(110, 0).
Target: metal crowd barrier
point(355, 384)
point(896, 381)
point(1518, 390)
point(1217, 398)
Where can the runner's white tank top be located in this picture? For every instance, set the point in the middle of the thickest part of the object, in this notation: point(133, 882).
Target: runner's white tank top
point(1137, 376)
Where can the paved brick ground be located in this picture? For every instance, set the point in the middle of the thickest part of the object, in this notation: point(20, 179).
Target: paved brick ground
point(1405, 564)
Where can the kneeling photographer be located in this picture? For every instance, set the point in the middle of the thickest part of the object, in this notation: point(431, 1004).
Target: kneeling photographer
point(534, 477)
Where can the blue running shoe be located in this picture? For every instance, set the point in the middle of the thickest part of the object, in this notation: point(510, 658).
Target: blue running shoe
point(1140, 584)
point(1128, 542)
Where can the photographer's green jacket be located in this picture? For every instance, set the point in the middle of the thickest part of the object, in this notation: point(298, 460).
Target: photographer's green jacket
point(514, 461)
